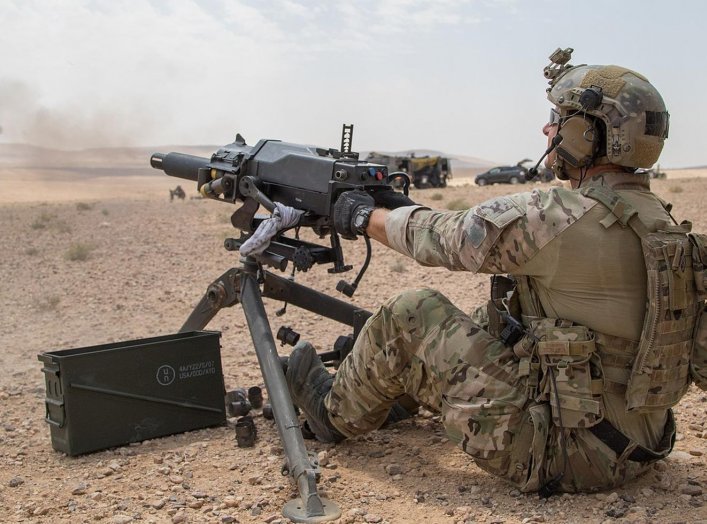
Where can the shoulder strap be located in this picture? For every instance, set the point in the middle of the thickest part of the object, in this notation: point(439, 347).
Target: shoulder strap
point(626, 215)
point(620, 210)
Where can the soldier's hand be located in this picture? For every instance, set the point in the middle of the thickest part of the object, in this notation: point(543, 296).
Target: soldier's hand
point(283, 217)
point(351, 213)
point(390, 199)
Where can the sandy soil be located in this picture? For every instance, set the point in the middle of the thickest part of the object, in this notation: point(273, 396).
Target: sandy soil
point(30, 184)
point(148, 263)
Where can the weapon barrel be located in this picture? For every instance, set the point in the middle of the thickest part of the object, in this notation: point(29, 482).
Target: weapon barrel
point(179, 165)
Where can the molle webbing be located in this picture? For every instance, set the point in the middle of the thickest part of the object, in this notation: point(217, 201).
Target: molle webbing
point(659, 376)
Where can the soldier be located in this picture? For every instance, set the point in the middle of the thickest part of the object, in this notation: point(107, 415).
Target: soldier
point(177, 192)
point(565, 380)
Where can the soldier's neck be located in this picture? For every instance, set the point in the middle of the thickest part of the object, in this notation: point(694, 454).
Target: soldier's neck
point(611, 175)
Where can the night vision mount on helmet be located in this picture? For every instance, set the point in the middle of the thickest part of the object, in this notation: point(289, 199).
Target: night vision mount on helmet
point(630, 112)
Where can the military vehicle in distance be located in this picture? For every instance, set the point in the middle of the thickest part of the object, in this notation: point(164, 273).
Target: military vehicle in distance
point(424, 171)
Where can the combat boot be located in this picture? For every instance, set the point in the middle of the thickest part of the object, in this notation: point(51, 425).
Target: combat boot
point(309, 382)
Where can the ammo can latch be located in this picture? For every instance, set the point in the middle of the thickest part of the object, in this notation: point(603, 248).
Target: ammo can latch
point(54, 400)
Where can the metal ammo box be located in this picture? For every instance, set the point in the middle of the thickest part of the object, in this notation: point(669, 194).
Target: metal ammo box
point(113, 394)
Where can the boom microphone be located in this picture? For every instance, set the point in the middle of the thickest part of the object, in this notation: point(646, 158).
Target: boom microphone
point(533, 171)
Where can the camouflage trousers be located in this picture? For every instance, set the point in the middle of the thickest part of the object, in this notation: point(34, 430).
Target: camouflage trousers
point(420, 344)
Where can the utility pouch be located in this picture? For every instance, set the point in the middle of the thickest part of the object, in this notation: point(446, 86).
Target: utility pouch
point(528, 461)
point(698, 360)
point(572, 379)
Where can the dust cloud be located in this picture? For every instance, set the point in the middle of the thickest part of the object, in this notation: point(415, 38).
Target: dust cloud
point(26, 118)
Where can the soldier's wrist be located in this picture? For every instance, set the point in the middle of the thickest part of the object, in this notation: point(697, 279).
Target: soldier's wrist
point(360, 219)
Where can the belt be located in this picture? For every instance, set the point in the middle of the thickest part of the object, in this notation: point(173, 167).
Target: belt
point(618, 442)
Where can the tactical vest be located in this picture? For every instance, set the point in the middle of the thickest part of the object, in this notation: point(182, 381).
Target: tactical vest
point(570, 366)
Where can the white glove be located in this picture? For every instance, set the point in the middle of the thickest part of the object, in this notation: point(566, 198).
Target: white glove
point(282, 217)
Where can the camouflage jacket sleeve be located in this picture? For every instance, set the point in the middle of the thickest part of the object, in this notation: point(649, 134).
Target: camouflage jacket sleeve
point(496, 236)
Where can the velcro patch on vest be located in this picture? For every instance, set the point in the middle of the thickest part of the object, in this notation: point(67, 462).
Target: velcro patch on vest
point(566, 347)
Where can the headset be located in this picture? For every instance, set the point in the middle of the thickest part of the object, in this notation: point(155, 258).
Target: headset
point(581, 149)
point(578, 141)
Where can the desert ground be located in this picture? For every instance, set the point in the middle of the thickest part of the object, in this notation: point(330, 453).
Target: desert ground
point(88, 259)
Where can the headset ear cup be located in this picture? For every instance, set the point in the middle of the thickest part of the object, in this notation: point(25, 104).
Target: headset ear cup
point(579, 142)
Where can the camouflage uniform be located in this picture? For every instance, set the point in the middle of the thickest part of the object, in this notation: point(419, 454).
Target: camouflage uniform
point(420, 344)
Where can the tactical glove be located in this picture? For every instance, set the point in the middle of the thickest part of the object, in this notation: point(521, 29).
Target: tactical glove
point(351, 213)
point(390, 199)
point(282, 217)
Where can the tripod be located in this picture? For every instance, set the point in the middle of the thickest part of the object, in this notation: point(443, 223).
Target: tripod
point(242, 285)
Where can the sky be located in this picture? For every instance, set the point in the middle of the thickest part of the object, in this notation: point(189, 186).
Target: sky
point(459, 76)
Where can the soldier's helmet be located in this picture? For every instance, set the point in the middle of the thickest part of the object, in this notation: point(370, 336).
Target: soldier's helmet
point(633, 112)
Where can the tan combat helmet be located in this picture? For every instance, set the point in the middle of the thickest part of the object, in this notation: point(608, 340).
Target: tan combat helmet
point(632, 110)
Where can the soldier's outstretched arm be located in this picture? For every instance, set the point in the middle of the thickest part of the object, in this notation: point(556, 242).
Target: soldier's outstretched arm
point(431, 238)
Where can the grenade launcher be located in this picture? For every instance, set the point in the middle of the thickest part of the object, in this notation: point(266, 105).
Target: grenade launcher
point(310, 179)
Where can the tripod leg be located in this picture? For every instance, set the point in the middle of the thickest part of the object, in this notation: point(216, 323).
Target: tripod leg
point(310, 507)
